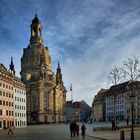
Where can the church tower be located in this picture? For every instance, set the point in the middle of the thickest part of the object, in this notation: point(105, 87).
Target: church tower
point(59, 75)
point(60, 93)
point(11, 66)
point(36, 73)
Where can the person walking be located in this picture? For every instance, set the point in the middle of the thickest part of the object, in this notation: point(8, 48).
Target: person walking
point(116, 125)
point(74, 128)
point(83, 129)
point(77, 129)
point(127, 121)
point(113, 124)
point(10, 130)
point(71, 129)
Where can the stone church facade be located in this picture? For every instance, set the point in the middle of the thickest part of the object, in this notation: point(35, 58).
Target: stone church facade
point(46, 94)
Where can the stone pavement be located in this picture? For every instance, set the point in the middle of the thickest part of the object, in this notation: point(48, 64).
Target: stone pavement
point(42, 132)
point(61, 132)
point(112, 135)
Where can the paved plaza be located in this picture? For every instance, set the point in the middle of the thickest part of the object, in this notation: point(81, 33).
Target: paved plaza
point(42, 132)
point(61, 132)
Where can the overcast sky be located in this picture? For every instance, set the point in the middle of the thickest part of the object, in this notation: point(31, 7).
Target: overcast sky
point(88, 37)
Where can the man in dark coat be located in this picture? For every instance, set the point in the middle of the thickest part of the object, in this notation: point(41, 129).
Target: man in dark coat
point(71, 129)
point(83, 129)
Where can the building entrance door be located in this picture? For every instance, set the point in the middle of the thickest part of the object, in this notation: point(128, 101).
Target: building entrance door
point(46, 119)
point(4, 123)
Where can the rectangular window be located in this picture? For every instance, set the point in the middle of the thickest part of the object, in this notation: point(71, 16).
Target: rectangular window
point(6, 94)
point(6, 86)
point(0, 84)
point(7, 112)
point(6, 103)
point(3, 85)
point(0, 102)
point(3, 102)
point(3, 93)
point(0, 93)
point(0, 112)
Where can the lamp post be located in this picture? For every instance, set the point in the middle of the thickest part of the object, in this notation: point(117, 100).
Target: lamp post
point(132, 102)
point(132, 111)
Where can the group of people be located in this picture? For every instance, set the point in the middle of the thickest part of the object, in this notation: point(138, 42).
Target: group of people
point(75, 128)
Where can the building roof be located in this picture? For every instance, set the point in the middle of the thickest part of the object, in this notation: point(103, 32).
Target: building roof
point(68, 103)
point(100, 95)
point(120, 88)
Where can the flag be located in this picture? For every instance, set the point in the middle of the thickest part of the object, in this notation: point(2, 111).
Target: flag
point(70, 87)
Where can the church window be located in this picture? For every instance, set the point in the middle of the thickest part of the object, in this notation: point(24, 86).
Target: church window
point(39, 33)
point(34, 32)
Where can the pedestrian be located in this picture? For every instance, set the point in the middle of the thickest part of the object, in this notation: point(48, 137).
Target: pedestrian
point(10, 130)
point(71, 129)
point(83, 129)
point(77, 129)
point(116, 125)
point(74, 128)
point(113, 124)
point(127, 121)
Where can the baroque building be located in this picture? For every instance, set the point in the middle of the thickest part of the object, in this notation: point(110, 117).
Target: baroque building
point(46, 94)
point(6, 97)
point(98, 105)
point(12, 98)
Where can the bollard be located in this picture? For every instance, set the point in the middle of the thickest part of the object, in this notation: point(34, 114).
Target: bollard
point(122, 135)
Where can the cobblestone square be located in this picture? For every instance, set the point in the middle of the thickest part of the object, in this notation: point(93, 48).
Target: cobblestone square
point(41, 132)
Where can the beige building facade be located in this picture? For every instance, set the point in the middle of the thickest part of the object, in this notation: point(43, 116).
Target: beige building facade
point(135, 101)
point(98, 106)
point(6, 98)
point(46, 94)
point(12, 98)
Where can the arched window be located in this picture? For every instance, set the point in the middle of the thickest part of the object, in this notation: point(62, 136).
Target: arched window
point(39, 33)
point(34, 31)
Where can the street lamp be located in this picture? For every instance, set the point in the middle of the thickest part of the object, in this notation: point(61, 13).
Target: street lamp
point(132, 101)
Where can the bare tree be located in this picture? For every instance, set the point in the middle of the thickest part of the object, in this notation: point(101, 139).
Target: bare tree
point(116, 76)
point(131, 69)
